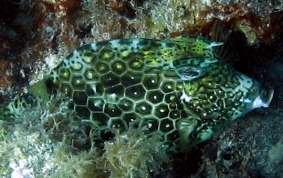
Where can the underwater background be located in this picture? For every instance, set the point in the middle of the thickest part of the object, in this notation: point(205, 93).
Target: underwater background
point(49, 141)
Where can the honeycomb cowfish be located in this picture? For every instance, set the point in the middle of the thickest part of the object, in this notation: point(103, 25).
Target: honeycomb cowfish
point(177, 87)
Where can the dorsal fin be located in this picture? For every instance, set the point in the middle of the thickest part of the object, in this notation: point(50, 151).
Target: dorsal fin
point(221, 33)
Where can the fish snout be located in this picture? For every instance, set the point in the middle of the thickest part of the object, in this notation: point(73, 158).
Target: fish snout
point(265, 95)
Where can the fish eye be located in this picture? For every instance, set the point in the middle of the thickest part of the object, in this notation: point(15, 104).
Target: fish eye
point(188, 73)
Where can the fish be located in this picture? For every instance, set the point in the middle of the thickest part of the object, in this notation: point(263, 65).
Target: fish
point(177, 87)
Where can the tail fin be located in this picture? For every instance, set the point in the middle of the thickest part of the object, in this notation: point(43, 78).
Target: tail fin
point(14, 109)
point(37, 95)
point(39, 89)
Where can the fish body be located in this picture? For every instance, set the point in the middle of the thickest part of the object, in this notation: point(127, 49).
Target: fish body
point(177, 87)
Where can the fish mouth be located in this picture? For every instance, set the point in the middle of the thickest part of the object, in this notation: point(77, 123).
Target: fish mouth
point(265, 96)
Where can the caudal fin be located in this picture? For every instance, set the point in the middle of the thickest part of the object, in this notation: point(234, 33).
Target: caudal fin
point(40, 90)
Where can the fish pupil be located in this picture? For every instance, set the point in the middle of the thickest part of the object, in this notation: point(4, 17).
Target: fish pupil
point(188, 73)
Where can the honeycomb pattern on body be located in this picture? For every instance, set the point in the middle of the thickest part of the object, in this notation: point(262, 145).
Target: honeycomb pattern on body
point(117, 82)
point(113, 87)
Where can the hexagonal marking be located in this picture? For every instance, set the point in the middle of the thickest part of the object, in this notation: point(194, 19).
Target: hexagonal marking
point(150, 124)
point(131, 78)
point(88, 57)
point(110, 79)
point(126, 104)
point(102, 67)
point(143, 108)
point(175, 114)
point(166, 125)
point(117, 123)
point(135, 92)
point(173, 105)
point(112, 110)
point(136, 64)
point(117, 90)
point(151, 81)
point(125, 53)
point(106, 135)
point(91, 74)
point(167, 86)
point(82, 111)
point(100, 118)
point(118, 67)
point(131, 117)
point(161, 111)
point(169, 98)
point(78, 83)
point(170, 74)
point(106, 54)
point(179, 86)
point(80, 97)
point(95, 104)
point(92, 89)
point(155, 96)
point(64, 74)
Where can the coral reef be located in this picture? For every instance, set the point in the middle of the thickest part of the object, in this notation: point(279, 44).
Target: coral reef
point(133, 155)
point(50, 142)
point(242, 152)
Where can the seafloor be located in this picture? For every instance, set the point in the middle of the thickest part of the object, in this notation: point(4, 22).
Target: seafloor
point(36, 35)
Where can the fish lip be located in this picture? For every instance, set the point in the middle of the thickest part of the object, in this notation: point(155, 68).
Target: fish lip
point(270, 97)
point(265, 97)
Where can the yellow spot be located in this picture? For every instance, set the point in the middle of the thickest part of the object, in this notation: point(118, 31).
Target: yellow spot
point(78, 81)
point(66, 90)
point(152, 61)
point(89, 74)
point(88, 59)
point(136, 64)
point(102, 67)
point(125, 53)
point(209, 84)
point(201, 89)
point(172, 98)
point(147, 52)
point(166, 54)
point(107, 55)
point(191, 92)
point(119, 66)
point(179, 87)
point(66, 74)
point(204, 114)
